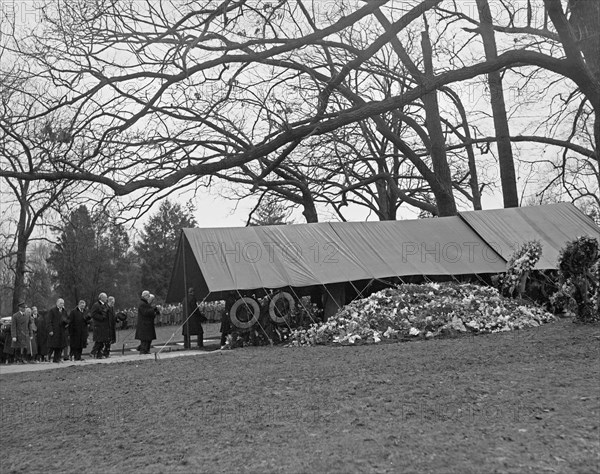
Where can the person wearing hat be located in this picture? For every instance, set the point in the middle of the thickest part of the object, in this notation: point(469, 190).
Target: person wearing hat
point(20, 330)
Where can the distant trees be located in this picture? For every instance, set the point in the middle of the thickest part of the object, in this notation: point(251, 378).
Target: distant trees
point(158, 245)
point(93, 256)
point(76, 259)
point(39, 288)
point(269, 211)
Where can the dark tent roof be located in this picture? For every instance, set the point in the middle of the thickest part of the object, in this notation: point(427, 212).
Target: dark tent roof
point(479, 242)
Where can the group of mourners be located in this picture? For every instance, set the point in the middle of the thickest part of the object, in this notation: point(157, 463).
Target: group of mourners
point(56, 334)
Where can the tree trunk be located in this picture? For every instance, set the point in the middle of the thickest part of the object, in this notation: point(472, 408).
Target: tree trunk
point(21, 257)
point(386, 199)
point(443, 194)
point(310, 211)
point(585, 23)
point(580, 40)
point(505, 157)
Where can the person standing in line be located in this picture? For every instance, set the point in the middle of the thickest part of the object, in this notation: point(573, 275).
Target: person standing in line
point(195, 319)
point(32, 349)
point(57, 324)
point(78, 330)
point(145, 331)
point(40, 338)
point(226, 319)
point(112, 329)
point(20, 330)
point(99, 314)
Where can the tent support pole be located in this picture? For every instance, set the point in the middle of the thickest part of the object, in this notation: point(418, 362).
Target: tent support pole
point(186, 326)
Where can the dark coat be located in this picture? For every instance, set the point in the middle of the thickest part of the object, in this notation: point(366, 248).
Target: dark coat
point(112, 325)
point(57, 323)
point(20, 327)
point(42, 334)
point(145, 322)
point(99, 314)
point(225, 317)
point(7, 341)
point(78, 329)
point(196, 318)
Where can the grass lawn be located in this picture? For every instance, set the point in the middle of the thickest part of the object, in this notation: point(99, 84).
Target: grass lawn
point(525, 401)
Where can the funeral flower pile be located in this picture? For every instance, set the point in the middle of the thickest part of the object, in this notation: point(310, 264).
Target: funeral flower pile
point(429, 310)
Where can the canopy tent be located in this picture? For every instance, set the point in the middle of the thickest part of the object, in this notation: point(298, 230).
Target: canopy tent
point(216, 260)
point(553, 225)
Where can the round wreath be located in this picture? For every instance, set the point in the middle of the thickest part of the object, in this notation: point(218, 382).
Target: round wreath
point(273, 303)
point(249, 303)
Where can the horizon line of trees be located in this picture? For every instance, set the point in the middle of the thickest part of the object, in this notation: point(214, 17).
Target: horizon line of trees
point(95, 254)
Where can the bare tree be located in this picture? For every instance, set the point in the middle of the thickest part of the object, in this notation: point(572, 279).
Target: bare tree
point(24, 147)
point(505, 156)
point(171, 96)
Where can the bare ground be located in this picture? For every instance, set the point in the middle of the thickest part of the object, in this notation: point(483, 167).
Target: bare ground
point(526, 401)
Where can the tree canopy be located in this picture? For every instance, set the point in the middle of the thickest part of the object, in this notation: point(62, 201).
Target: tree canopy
point(158, 245)
point(93, 255)
point(171, 94)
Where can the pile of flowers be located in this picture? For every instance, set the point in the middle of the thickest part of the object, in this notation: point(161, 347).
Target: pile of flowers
point(428, 310)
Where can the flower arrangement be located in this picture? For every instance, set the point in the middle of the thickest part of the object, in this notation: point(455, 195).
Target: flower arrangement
point(269, 332)
point(429, 310)
point(579, 263)
point(520, 265)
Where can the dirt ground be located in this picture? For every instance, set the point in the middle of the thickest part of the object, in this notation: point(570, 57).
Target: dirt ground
point(164, 334)
point(517, 402)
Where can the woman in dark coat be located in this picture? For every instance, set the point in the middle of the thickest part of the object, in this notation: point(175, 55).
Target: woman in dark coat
point(7, 350)
point(78, 330)
point(145, 331)
point(41, 335)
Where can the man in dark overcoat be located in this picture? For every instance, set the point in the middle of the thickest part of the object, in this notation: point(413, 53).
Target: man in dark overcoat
point(57, 323)
point(112, 326)
point(99, 314)
point(145, 331)
point(195, 319)
point(21, 333)
point(78, 330)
